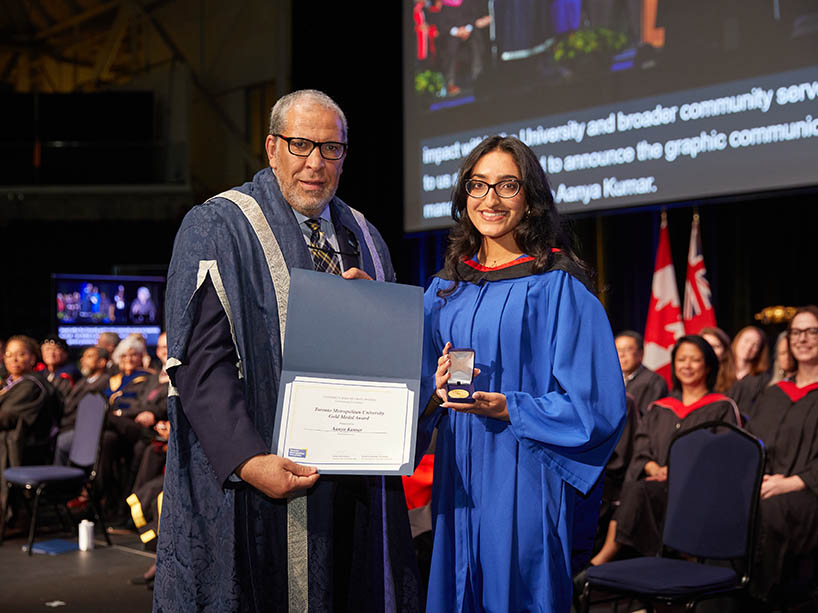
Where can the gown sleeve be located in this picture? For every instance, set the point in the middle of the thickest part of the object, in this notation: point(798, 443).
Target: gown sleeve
point(574, 428)
point(643, 451)
point(430, 411)
point(211, 392)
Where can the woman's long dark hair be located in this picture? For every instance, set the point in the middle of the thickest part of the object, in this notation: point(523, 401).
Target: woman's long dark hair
point(727, 362)
point(761, 362)
point(711, 362)
point(540, 230)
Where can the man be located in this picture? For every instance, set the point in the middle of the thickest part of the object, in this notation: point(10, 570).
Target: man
point(241, 528)
point(644, 385)
point(93, 363)
point(109, 341)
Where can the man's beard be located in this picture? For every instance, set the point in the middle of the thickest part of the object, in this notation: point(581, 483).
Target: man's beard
point(308, 205)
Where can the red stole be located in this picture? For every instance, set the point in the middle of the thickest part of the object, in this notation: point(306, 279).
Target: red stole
point(794, 392)
point(683, 410)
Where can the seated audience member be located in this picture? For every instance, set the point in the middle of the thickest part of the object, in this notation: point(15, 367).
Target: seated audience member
point(123, 387)
point(55, 367)
point(29, 408)
point(785, 418)
point(3, 372)
point(109, 342)
point(151, 406)
point(615, 470)
point(720, 343)
point(747, 391)
point(751, 352)
point(638, 521)
point(641, 383)
point(93, 363)
point(122, 433)
point(146, 500)
point(783, 363)
point(148, 485)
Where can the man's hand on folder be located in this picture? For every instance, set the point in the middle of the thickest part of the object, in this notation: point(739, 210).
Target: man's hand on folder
point(276, 476)
point(355, 273)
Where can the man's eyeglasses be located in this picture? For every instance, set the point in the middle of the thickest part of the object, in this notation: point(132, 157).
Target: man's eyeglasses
point(302, 147)
point(812, 333)
point(507, 188)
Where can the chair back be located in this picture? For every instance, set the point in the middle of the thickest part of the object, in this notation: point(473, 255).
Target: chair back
point(714, 482)
point(91, 413)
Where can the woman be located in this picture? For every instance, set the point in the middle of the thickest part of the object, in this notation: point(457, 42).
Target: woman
point(55, 367)
point(510, 468)
point(29, 408)
point(124, 386)
point(638, 521)
point(751, 352)
point(783, 363)
point(786, 419)
point(720, 343)
point(747, 391)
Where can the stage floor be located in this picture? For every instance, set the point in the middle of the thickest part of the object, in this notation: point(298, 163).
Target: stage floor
point(88, 581)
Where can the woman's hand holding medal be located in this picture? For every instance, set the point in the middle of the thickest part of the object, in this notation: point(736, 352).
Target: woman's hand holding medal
point(487, 404)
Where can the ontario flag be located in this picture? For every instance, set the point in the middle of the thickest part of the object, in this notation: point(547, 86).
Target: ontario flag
point(664, 324)
point(698, 307)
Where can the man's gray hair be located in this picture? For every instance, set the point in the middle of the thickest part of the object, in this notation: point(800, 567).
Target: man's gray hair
point(278, 116)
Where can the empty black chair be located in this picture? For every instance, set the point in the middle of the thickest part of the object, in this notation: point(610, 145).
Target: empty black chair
point(59, 484)
point(714, 482)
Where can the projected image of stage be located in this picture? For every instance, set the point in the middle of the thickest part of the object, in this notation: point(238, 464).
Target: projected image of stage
point(626, 102)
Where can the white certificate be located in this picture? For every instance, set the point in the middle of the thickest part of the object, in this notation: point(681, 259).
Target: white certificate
point(347, 426)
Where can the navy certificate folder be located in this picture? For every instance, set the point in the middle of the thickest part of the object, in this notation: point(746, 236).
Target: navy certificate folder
point(357, 330)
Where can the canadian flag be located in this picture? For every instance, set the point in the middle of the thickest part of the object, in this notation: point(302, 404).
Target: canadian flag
point(664, 323)
point(698, 308)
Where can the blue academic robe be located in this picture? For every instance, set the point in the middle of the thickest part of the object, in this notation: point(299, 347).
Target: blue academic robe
point(223, 546)
point(506, 494)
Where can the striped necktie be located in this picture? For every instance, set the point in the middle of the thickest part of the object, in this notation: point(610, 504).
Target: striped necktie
point(323, 255)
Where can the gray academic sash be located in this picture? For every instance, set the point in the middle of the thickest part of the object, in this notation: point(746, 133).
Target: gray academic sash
point(297, 569)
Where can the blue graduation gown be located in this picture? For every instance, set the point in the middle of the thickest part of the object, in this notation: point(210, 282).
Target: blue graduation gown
point(505, 493)
point(224, 546)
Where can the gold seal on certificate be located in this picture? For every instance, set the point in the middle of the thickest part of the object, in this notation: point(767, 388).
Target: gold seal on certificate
point(459, 393)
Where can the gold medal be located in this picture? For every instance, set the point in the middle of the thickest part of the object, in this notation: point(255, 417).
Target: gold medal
point(459, 393)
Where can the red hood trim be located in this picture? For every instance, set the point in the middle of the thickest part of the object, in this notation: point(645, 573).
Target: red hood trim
point(682, 410)
point(794, 392)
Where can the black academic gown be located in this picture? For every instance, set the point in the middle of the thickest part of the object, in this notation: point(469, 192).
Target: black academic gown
point(641, 513)
point(29, 409)
point(785, 418)
point(645, 387)
point(747, 390)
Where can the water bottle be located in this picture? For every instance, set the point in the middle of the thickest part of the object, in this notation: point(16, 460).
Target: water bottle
point(86, 535)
